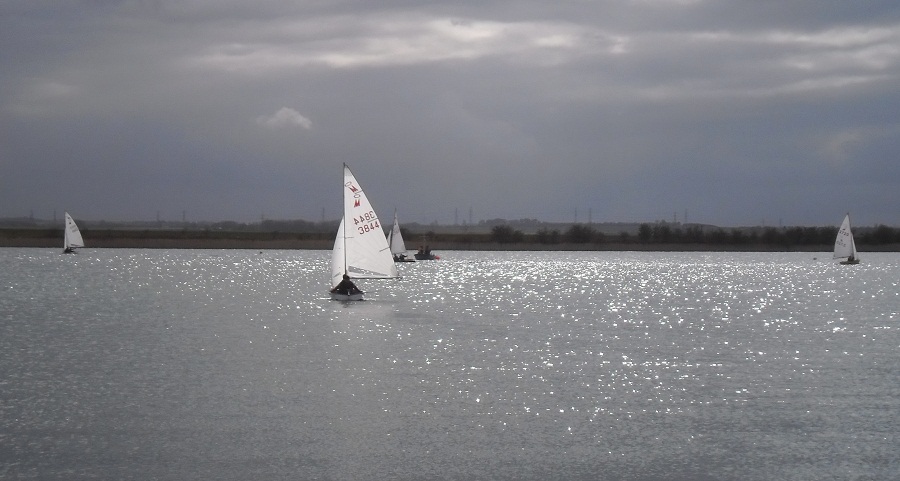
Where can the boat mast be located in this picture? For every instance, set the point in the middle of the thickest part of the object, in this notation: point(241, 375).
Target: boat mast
point(344, 218)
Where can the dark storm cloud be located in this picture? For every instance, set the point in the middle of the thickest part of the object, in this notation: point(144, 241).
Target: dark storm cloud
point(736, 112)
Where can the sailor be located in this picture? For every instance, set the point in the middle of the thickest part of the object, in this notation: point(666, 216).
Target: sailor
point(346, 286)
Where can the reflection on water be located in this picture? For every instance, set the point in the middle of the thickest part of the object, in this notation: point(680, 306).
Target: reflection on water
point(181, 364)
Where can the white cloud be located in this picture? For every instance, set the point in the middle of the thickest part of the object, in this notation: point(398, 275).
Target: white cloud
point(285, 117)
point(404, 40)
point(43, 97)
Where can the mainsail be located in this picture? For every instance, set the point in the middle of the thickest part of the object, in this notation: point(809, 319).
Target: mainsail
point(844, 245)
point(72, 237)
point(395, 239)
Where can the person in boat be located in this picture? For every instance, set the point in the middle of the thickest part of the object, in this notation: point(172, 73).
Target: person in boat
point(346, 286)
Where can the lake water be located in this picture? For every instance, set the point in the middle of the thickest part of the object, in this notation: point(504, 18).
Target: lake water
point(234, 365)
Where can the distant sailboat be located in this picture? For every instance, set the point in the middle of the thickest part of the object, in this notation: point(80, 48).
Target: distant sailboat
point(72, 237)
point(844, 245)
point(360, 248)
point(395, 240)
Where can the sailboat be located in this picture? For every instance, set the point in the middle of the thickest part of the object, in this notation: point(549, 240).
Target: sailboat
point(844, 246)
point(395, 240)
point(72, 239)
point(360, 248)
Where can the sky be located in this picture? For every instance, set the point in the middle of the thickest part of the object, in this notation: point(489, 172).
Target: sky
point(724, 112)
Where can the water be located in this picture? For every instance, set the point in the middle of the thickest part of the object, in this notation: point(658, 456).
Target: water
point(234, 365)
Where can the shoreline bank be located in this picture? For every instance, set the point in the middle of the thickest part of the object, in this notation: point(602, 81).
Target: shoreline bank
point(186, 239)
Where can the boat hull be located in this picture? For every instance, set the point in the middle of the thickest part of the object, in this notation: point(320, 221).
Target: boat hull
point(850, 262)
point(337, 296)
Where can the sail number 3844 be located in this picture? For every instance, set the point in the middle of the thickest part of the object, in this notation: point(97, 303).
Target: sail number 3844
point(367, 222)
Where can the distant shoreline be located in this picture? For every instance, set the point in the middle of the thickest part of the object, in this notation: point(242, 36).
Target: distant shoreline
point(188, 239)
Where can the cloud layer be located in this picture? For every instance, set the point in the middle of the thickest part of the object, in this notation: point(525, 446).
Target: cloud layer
point(729, 113)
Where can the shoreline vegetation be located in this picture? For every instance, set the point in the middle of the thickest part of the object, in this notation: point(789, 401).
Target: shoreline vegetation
point(498, 235)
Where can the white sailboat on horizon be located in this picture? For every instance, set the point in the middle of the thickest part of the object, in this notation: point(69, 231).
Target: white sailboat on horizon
point(844, 245)
point(360, 248)
point(395, 240)
point(72, 238)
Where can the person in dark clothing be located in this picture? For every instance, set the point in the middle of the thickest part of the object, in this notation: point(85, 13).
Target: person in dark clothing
point(346, 286)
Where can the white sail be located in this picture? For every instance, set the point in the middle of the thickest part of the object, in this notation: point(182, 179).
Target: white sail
point(337, 256)
point(395, 239)
point(72, 238)
point(844, 245)
point(365, 250)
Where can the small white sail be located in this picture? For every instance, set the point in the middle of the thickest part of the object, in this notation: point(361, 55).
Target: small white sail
point(337, 256)
point(72, 238)
point(360, 247)
point(395, 239)
point(844, 245)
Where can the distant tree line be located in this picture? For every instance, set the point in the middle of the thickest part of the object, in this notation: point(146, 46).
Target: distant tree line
point(508, 235)
point(664, 233)
point(268, 225)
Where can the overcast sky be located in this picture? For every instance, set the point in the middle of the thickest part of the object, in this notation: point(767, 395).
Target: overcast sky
point(732, 112)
